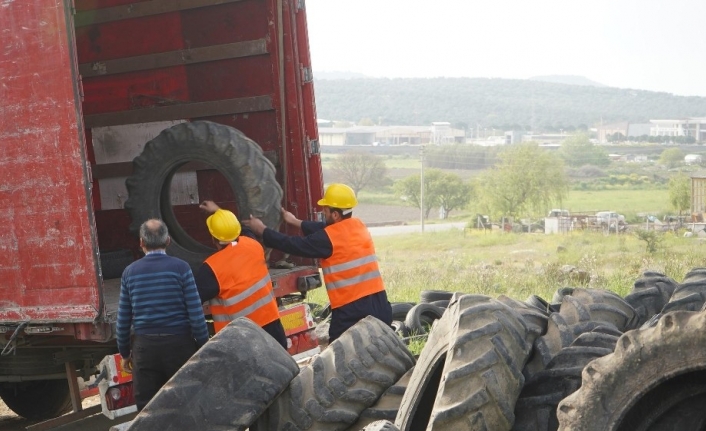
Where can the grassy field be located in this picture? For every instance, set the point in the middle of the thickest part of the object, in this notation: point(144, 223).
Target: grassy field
point(520, 265)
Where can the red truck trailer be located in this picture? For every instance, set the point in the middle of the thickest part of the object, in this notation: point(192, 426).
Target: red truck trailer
point(115, 111)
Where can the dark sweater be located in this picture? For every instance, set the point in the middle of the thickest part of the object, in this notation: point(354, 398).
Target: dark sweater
point(158, 296)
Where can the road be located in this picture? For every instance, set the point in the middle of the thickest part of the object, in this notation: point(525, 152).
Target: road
point(416, 228)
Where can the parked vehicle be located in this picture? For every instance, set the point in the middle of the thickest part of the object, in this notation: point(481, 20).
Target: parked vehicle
point(610, 218)
point(113, 113)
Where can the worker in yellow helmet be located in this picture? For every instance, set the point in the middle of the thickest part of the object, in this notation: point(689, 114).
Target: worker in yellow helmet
point(235, 280)
point(348, 261)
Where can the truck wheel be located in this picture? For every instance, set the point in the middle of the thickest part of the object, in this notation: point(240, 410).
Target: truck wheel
point(37, 400)
point(346, 378)
point(223, 386)
point(652, 372)
point(240, 160)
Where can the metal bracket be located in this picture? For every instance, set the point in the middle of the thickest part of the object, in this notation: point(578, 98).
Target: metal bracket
point(314, 147)
point(307, 75)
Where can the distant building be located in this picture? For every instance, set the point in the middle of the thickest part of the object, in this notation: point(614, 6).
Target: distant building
point(438, 133)
point(691, 126)
point(605, 131)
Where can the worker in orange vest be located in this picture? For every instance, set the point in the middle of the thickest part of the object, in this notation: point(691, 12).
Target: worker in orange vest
point(348, 261)
point(235, 280)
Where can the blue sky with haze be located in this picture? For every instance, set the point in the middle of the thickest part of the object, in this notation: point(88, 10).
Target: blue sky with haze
point(649, 44)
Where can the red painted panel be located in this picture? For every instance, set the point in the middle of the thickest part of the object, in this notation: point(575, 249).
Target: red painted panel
point(82, 5)
point(134, 90)
point(47, 244)
point(231, 22)
point(261, 127)
point(129, 38)
point(227, 79)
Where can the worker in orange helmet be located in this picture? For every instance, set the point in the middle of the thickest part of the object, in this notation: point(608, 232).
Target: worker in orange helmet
point(235, 280)
point(348, 261)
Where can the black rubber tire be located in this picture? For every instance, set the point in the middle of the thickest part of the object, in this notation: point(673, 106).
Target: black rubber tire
point(560, 293)
point(345, 379)
point(400, 310)
point(421, 317)
point(650, 294)
point(539, 303)
point(483, 370)
point(536, 408)
point(417, 402)
point(384, 425)
point(605, 306)
point(690, 295)
point(627, 389)
point(387, 406)
point(442, 303)
point(37, 400)
point(535, 319)
point(223, 386)
point(400, 329)
point(429, 296)
point(240, 160)
point(481, 344)
point(575, 318)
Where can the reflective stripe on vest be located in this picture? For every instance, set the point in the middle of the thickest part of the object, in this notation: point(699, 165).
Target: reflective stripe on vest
point(351, 272)
point(245, 287)
point(350, 265)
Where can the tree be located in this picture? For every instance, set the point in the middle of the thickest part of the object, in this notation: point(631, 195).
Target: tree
point(527, 178)
point(451, 192)
point(441, 189)
point(366, 122)
point(680, 192)
point(359, 169)
point(578, 150)
point(671, 157)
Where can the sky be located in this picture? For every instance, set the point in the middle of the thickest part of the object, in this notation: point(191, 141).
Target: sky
point(646, 44)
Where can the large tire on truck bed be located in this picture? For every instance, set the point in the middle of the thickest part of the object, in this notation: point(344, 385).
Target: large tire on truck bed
point(227, 384)
point(234, 155)
point(482, 345)
point(346, 378)
point(37, 400)
point(652, 372)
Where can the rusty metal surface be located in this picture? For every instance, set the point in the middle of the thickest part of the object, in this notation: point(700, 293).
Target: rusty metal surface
point(47, 245)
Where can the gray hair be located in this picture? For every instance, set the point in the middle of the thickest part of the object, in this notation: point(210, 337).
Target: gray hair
point(154, 234)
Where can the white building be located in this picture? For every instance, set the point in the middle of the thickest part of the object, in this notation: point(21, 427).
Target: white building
point(692, 126)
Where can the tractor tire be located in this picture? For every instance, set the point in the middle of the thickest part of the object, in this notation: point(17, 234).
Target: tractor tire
point(650, 294)
point(416, 404)
point(380, 426)
point(539, 303)
point(652, 373)
point(429, 296)
point(604, 306)
point(421, 317)
point(442, 303)
point(470, 369)
point(240, 160)
point(536, 408)
point(690, 295)
point(345, 379)
point(535, 319)
point(387, 406)
point(37, 400)
point(482, 376)
point(223, 386)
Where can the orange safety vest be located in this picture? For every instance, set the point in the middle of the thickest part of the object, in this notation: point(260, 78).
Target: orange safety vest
point(351, 272)
point(245, 285)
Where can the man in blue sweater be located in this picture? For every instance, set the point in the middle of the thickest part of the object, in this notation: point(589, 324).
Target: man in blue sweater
point(159, 300)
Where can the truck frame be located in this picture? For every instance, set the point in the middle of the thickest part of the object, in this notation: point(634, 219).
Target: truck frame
point(85, 85)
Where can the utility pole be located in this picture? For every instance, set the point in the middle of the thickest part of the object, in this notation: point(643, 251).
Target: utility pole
point(421, 192)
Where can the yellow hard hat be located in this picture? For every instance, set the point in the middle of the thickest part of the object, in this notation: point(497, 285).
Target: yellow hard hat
point(223, 225)
point(339, 195)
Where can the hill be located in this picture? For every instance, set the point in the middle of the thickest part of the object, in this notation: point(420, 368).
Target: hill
point(498, 103)
point(568, 79)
